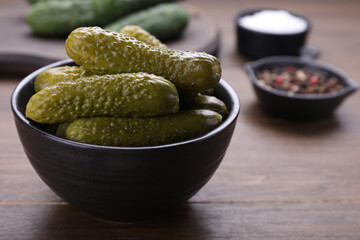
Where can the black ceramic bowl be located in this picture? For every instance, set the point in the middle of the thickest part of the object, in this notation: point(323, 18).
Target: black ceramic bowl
point(298, 106)
point(256, 44)
point(122, 183)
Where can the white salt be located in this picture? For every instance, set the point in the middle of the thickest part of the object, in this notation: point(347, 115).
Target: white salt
point(274, 21)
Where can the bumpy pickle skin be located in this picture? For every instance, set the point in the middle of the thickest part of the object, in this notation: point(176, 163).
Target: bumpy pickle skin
point(200, 101)
point(136, 132)
point(142, 35)
point(55, 75)
point(103, 52)
point(124, 95)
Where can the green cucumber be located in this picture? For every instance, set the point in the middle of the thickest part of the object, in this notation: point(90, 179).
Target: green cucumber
point(165, 21)
point(59, 18)
point(111, 10)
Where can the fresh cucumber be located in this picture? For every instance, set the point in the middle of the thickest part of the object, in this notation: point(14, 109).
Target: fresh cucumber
point(165, 21)
point(60, 17)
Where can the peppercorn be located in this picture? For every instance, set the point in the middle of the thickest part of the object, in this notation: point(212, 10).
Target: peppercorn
point(299, 80)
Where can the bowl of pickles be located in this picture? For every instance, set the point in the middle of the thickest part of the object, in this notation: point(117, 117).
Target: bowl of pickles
point(125, 130)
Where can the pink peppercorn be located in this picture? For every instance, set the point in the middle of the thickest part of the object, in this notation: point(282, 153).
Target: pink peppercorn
point(279, 80)
point(313, 80)
point(299, 80)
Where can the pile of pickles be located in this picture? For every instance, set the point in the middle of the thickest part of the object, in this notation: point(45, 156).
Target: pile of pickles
point(128, 89)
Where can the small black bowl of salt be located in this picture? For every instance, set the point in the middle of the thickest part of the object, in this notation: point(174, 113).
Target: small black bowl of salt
point(271, 32)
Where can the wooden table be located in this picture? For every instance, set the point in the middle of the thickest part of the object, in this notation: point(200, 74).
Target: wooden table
point(279, 179)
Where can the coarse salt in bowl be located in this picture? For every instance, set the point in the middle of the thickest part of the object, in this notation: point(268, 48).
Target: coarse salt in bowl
point(270, 32)
point(274, 22)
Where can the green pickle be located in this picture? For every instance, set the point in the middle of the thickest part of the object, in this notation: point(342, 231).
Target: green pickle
point(142, 35)
point(61, 130)
point(209, 92)
point(134, 132)
point(55, 75)
point(123, 95)
point(104, 52)
point(200, 101)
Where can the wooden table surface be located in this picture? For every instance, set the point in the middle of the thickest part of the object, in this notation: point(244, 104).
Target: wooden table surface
point(279, 179)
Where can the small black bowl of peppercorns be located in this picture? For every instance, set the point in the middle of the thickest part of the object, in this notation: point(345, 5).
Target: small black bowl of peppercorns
point(298, 87)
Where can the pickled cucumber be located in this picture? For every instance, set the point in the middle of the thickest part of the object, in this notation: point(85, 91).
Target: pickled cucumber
point(55, 75)
point(142, 35)
point(209, 92)
point(200, 101)
point(61, 130)
point(125, 95)
point(165, 21)
point(102, 51)
point(143, 131)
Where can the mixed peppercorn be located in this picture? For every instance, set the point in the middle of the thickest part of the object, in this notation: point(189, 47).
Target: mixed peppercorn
point(299, 80)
